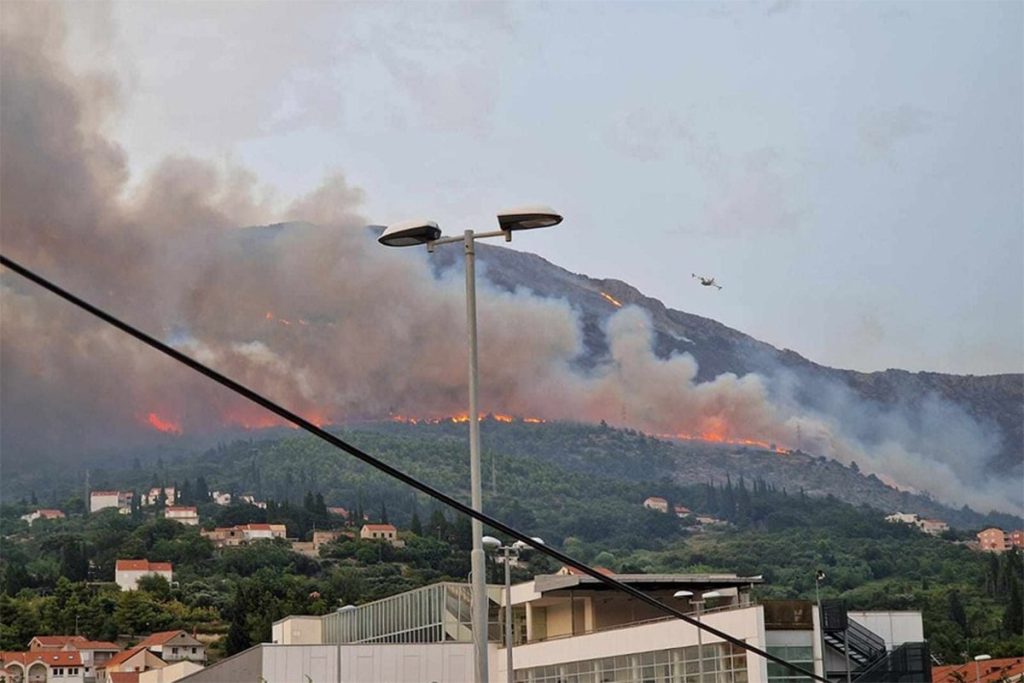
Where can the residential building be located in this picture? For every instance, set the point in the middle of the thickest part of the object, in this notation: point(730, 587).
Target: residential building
point(42, 513)
point(381, 532)
point(174, 646)
point(320, 537)
point(227, 537)
point(574, 628)
point(251, 500)
point(220, 497)
point(101, 500)
point(1006, 670)
point(681, 510)
point(656, 503)
point(128, 572)
point(339, 511)
point(132, 661)
point(41, 665)
point(903, 518)
point(152, 497)
point(933, 527)
point(1016, 538)
point(182, 514)
point(993, 539)
point(93, 653)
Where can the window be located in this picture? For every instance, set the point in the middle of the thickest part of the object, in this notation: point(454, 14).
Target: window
point(58, 672)
point(193, 650)
point(174, 650)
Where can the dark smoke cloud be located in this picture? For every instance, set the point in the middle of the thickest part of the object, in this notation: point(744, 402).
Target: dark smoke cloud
point(315, 313)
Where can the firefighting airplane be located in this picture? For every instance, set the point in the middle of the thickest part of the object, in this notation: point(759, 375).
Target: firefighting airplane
point(706, 281)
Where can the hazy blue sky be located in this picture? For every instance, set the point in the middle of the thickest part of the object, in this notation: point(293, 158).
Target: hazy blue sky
point(851, 172)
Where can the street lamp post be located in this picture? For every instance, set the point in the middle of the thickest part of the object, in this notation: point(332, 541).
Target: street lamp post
point(699, 603)
point(416, 232)
point(977, 666)
point(509, 552)
point(819, 576)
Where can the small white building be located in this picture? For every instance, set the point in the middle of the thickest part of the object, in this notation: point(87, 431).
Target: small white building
point(175, 646)
point(101, 500)
point(42, 513)
point(128, 572)
point(182, 514)
point(153, 496)
point(42, 665)
point(380, 532)
point(220, 497)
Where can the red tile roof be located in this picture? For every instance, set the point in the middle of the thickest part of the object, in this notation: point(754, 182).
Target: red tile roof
point(179, 508)
point(143, 565)
point(56, 641)
point(123, 656)
point(49, 514)
point(156, 639)
point(123, 676)
point(48, 657)
point(105, 493)
point(95, 645)
point(380, 527)
point(990, 671)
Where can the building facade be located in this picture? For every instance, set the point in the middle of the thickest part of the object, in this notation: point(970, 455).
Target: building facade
point(128, 572)
point(182, 514)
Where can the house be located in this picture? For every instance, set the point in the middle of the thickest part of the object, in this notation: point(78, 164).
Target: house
point(127, 665)
point(993, 539)
point(182, 514)
point(903, 518)
point(312, 548)
point(227, 537)
point(128, 572)
point(93, 653)
point(381, 532)
point(247, 498)
point(933, 527)
point(152, 497)
point(43, 513)
point(220, 497)
point(41, 665)
point(339, 511)
point(174, 646)
point(101, 500)
point(656, 503)
point(682, 510)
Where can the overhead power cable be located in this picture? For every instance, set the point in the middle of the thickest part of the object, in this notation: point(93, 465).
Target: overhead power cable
point(335, 441)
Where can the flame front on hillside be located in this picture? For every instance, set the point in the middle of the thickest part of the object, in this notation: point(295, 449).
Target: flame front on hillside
point(612, 300)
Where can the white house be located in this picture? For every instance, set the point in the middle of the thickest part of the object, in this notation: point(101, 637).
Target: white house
point(182, 514)
point(42, 513)
point(174, 646)
point(42, 665)
point(656, 503)
point(153, 495)
point(381, 532)
point(128, 572)
point(101, 500)
point(220, 497)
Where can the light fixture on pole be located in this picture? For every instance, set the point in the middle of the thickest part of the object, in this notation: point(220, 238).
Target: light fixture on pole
point(413, 233)
point(819, 576)
point(977, 666)
point(510, 553)
point(699, 604)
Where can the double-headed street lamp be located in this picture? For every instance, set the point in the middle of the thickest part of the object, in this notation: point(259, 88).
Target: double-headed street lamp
point(416, 232)
point(510, 553)
point(699, 603)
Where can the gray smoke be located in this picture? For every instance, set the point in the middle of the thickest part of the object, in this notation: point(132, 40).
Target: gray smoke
point(315, 314)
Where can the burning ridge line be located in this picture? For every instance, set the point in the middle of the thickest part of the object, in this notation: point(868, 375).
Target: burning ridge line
point(393, 472)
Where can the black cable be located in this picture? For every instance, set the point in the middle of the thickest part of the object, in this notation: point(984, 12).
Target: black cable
point(388, 469)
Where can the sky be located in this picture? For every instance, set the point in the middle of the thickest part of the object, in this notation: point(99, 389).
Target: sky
point(850, 172)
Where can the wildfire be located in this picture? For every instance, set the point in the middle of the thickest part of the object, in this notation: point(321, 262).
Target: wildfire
point(714, 437)
point(463, 417)
point(264, 420)
point(162, 425)
point(612, 300)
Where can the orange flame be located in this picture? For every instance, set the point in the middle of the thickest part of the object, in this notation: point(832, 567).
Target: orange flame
point(461, 418)
point(612, 300)
point(714, 437)
point(162, 425)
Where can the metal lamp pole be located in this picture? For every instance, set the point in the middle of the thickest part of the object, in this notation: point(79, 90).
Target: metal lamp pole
point(510, 552)
point(417, 232)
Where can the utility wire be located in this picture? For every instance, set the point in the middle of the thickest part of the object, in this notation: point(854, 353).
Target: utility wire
point(320, 433)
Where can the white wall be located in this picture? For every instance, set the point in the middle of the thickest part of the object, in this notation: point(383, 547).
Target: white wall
point(171, 673)
point(299, 630)
point(895, 628)
point(411, 663)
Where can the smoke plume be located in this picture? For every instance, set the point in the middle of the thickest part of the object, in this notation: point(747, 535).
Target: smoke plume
point(314, 313)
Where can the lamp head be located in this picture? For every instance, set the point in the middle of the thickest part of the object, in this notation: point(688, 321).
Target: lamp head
point(409, 233)
point(490, 542)
point(528, 218)
point(711, 594)
point(682, 594)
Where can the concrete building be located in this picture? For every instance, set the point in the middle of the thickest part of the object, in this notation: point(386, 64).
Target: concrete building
point(101, 500)
point(128, 572)
point(170, 673)
point(133, 661)
point(93, 654)
point(573, 628)
point(42, 513)
point(182, 514)
point(933, 527)
point(220, 497)
point(993, 539)
point(227, 537)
